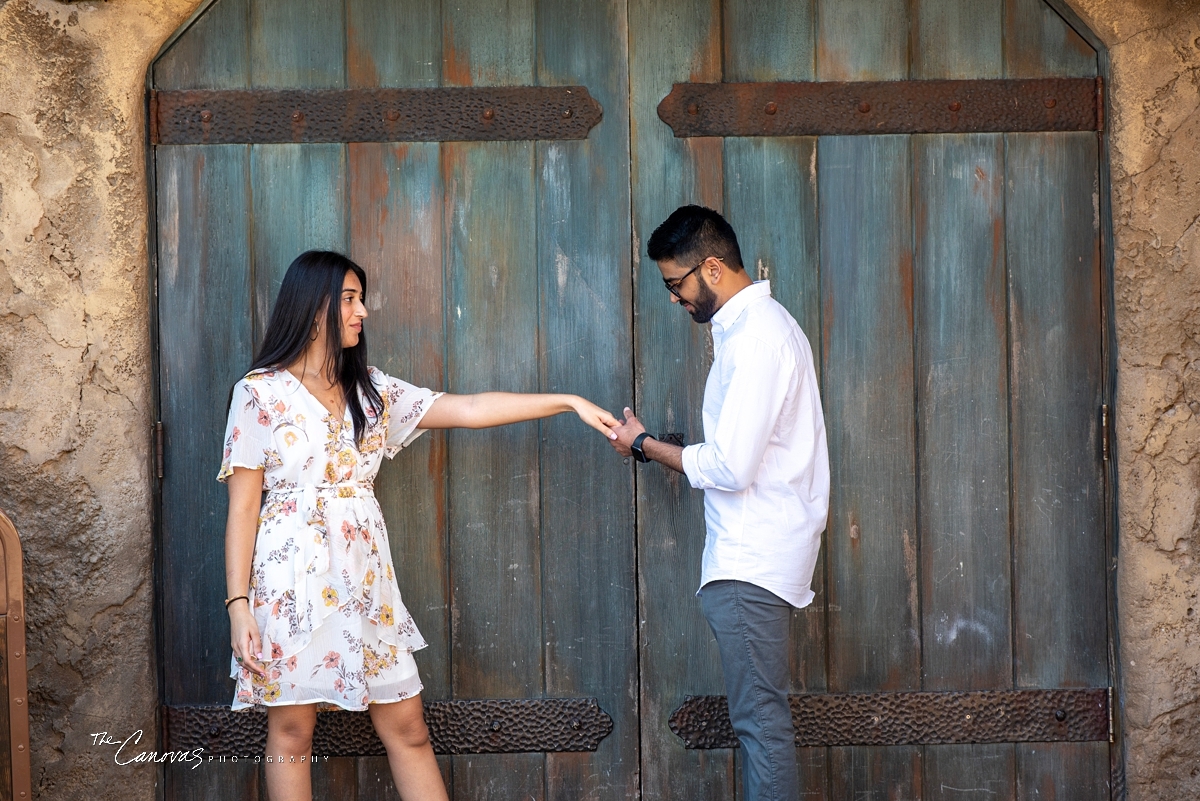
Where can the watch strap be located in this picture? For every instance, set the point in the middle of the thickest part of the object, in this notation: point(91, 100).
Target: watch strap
point(638, 453)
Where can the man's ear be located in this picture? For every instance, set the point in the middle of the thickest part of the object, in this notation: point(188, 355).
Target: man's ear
point(715, 269)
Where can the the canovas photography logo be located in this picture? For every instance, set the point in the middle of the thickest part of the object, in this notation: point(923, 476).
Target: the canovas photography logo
point(126, 752)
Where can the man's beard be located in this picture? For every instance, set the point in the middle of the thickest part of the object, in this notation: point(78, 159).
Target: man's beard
point(705, 306)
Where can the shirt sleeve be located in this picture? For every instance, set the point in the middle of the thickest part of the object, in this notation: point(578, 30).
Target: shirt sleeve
point(730, 459)
point(248, 435)
point(406, 404)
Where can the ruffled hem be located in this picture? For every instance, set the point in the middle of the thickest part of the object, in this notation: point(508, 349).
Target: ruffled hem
point(331, 702)
point(292, 643)
point(227, 469)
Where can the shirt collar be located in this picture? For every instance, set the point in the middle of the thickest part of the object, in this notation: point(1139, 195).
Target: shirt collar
point(728, 314)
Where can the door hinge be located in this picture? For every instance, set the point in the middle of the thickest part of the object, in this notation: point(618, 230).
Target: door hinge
point(1105, 445)
point(158, 448)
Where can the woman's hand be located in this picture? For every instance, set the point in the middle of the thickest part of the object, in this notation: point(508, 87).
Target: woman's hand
point(243, 636)
point(594, 416)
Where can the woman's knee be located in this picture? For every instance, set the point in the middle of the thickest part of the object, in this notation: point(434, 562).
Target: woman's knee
point(291, 727)
point(402, 726)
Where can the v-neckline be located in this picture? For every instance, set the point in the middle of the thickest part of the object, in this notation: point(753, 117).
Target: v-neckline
point(308, 392)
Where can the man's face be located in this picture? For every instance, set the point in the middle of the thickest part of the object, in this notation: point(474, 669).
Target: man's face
point(690, 289)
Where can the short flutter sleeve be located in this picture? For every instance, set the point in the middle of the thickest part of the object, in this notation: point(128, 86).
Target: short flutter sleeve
point(406, 405)
point(247, 434)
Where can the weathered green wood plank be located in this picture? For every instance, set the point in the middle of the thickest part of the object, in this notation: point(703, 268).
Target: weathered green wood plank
point(1058, 501)
point(588, 559)
point(1038, 43)
point(771, 201)
point(298, 45)
point(299, 196)
point(203, 274)
point(396, 203)
point(962, 396)
point(1056, 377)
point(212, 54)
point(866, 278)
point(495, 553)
point(299, 190)
point(681, 42)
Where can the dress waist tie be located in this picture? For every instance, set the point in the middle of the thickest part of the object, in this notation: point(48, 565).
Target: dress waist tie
point(313, 557)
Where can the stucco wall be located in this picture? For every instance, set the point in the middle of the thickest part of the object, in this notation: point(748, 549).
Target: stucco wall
point(74, 375)
point(75, 372)
point(1154, 119)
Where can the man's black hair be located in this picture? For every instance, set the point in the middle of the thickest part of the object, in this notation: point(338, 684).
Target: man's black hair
point(692, 234)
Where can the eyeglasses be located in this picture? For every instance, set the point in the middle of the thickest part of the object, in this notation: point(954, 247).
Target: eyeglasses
point(673, 286)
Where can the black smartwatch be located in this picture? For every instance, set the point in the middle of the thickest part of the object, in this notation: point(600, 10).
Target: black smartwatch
point(636, 447)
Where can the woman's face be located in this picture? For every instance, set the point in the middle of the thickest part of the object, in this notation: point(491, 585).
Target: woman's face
point(353, 310)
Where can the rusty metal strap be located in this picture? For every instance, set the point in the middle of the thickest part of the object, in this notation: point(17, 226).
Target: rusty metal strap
point(262, 116)
point(455, 727)
point(883, 107)
point(914, 718)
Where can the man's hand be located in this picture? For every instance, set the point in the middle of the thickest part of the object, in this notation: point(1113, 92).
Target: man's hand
point(626, 432)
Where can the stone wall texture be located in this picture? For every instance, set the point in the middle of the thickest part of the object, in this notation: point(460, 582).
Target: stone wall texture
point(75, 376)
point(75, 402)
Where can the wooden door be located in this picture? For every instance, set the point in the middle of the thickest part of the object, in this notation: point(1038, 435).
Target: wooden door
point(492, 265)
point(950, 286)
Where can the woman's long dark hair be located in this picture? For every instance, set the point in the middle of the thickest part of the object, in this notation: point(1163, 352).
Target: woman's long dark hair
point(314, 282)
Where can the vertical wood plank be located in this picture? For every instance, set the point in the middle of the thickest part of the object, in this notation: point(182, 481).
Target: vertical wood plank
point(335, 779)
point(771, 202)
point(204, 275)
point(866, 280)
point(1056, 376)
point(495, 564)
point(299, 190)
point(212, 54)
point(396, 203)
point(962, 389)
point(589, 567)
point(1058, 500)
point(672, 354)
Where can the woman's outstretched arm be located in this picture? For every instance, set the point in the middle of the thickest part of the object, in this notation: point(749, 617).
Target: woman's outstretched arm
point(500, 408)
point(241, 529)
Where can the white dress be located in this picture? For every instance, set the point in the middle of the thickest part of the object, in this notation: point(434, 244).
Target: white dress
point(322, 587)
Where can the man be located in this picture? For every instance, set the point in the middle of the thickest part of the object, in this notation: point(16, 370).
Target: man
point(764, 469)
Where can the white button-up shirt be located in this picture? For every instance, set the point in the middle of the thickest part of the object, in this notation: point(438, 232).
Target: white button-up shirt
point(764, 464)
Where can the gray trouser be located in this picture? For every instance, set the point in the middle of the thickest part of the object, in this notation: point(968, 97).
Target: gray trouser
point(751, 626)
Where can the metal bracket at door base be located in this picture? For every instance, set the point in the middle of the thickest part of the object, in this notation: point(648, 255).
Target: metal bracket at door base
point(494, 726)
point(914, 718)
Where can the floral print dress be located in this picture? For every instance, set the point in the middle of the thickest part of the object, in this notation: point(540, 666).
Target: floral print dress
point(322, 587)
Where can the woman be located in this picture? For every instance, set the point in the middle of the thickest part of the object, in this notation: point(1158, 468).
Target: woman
point(314, 611)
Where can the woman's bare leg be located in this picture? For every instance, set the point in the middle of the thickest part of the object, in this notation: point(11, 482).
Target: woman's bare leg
point(401, 727)
point(289, 738)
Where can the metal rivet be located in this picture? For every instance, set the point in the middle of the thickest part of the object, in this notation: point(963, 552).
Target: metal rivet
point(206, 116)
point(875, 720)
point(495, 725)
point(489, 113)
point(772, 107)
point(968, 716)
point(693, 108)
point(17, 655)
point(864, 107)
point(213, 731)
point(575, 725)
point(297, 116)
point(20, 748)
point(855, 531)
point(567, 113)
point(20, 701)
point(956, 106)
point(393, 115)
point(1051, 102)
point(1060, 715)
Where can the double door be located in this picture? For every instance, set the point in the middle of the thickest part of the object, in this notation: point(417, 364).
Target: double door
point(950, 286)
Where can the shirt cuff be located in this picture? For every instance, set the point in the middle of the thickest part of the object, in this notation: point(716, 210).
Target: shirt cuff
point(691, 467)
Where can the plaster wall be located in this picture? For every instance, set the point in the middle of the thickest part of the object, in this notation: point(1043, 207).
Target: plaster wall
point(75, 376)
